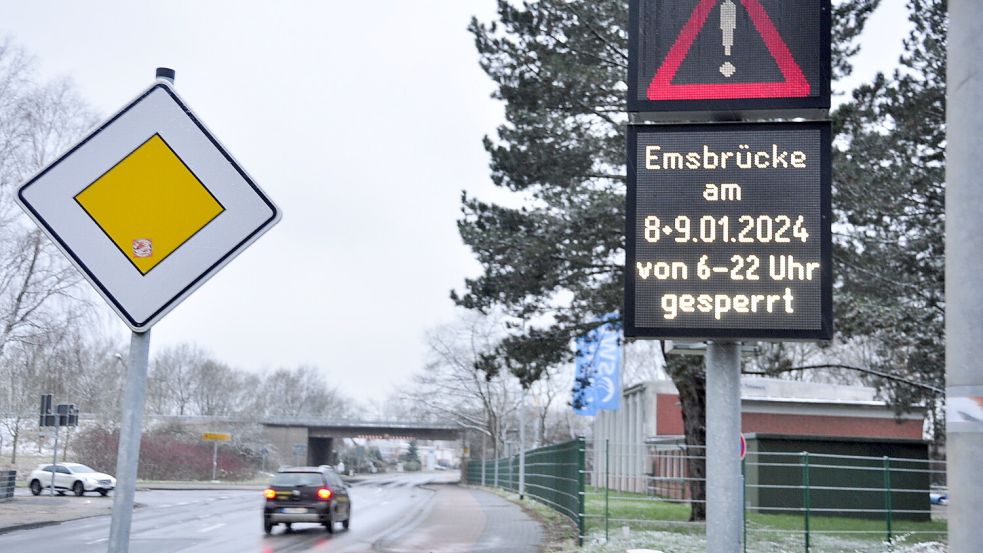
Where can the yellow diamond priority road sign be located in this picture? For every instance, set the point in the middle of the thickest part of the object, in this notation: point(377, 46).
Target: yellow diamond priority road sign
point(175, 204)
point(149, 206)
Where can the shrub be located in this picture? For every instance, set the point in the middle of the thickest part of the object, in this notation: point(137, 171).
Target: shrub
point(164, 455)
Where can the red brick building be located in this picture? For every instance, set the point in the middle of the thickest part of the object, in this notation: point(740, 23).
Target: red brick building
point(651, 412)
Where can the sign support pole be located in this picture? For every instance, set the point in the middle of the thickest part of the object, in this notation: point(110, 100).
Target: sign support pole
point(723, 365)
point(214, 460)
point(963, 290)
point(522, 445)
point(54, 458)
point(128, 454)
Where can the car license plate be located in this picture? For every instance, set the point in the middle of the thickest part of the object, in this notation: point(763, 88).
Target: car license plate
point(294, 510)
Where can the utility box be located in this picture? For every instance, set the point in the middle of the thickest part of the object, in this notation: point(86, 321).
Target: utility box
point(7, 480)
point(869, 478)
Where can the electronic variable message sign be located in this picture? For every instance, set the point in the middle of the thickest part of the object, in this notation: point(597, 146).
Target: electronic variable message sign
point(728, 231)
point(729, 56)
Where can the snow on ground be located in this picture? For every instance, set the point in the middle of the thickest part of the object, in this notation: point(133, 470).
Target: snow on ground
point(675, 542)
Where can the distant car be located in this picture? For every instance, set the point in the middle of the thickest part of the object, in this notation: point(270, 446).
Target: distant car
point(939, 498)
point(72, 477)
point(306, 494)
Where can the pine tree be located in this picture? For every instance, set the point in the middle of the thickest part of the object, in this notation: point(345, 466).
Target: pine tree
point(889, 192)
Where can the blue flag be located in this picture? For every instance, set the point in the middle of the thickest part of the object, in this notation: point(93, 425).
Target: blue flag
point(598, 378)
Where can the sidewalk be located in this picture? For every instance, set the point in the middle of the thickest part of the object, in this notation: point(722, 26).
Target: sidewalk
point(462, 519)
point(28, 511)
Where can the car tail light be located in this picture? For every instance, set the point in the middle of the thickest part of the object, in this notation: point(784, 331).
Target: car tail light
point(269, 493)
point(324, 494)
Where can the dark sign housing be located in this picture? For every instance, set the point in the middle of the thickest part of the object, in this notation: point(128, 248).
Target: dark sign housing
point(727, 58)
point(728, 231)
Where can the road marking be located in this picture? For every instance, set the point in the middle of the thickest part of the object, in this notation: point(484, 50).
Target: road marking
point(100, 540)
point(212, 527)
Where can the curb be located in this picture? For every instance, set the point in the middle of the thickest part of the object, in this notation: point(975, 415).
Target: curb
point(31, 526)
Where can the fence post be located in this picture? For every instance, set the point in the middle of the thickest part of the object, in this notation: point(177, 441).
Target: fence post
point(581, 445)
point(744, 500)
point(806, 500)
point(511, 468)
point(496, 471)
point(887, 495)
point(512, 478)
point(607, 471)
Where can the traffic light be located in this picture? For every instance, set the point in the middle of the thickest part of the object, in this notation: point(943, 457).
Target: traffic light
point(46, 418)
point(63, 414)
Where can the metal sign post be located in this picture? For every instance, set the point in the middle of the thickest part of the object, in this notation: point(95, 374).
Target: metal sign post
point(214, 461)
point(54, 460)
point(723, 364)
point(128, 453)
point(963, 289)
point(522, 445)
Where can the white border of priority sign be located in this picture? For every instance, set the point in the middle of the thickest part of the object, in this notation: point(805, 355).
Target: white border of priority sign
point(143, 299)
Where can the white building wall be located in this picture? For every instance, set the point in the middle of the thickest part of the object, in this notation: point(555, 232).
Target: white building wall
point(623, 432)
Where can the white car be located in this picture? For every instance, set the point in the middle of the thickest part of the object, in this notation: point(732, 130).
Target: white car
point(70, 476)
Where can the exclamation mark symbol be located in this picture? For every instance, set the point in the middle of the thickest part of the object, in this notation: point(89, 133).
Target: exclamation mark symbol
point(728, 23)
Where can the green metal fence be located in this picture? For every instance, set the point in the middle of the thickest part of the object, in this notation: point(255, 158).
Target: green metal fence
point(794, 500)
point(554, 477)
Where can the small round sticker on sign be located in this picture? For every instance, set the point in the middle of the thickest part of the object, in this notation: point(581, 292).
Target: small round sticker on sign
point(143, 247)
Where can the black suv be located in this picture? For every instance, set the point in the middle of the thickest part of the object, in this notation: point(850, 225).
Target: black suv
point(307, 494)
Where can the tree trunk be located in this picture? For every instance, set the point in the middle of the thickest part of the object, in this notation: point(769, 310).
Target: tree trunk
point(16, 438)
point(689, 376)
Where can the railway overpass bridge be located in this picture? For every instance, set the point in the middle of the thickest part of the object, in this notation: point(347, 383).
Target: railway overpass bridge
point(314, 439)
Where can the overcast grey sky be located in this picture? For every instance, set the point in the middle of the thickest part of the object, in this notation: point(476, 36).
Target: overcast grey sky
point(362, 120)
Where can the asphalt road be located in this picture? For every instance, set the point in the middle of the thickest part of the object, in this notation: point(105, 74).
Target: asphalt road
point(219, 521)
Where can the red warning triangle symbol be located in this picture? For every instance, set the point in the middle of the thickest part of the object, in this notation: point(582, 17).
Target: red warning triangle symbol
point(795, 84)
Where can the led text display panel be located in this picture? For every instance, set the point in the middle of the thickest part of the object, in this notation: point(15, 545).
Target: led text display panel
point(728, 231)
